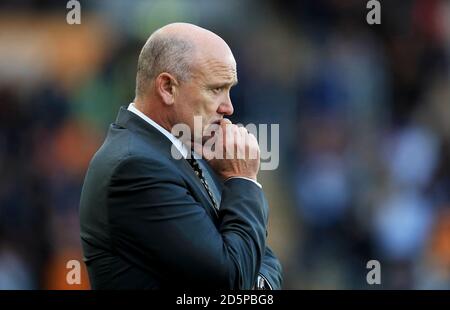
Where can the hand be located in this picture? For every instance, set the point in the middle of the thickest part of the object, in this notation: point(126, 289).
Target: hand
point(240, 152)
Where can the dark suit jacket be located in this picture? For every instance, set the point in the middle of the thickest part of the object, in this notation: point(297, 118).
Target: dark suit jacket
point(148, 222)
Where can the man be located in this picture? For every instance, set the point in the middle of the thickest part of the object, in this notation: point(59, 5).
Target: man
point(149, 220)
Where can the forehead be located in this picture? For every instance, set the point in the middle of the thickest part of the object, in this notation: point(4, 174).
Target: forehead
point(218, 70)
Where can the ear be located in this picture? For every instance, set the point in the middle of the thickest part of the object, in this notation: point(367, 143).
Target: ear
point(166, 87)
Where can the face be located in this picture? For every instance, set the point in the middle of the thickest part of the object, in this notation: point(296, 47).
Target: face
point(207, 93)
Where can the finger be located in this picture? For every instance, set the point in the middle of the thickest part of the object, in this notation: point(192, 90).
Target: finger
point(243, 131)
point(226, 126)
point(225, 121)
point(241, 142)
point(230, 130)
point(252, 137)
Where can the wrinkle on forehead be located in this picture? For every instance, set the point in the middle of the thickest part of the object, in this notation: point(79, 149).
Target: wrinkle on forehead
point(216, 69)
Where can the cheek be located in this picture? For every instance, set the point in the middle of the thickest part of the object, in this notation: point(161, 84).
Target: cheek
point(198, 102)
point(204, 104)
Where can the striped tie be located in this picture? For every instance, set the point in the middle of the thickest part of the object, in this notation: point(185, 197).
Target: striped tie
point(198, 171)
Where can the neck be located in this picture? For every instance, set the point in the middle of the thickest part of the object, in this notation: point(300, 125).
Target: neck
point(151, 110)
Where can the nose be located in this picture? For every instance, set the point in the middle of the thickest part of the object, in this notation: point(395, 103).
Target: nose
point(226, 107)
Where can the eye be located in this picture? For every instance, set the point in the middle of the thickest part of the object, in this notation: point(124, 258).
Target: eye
point(217, 90)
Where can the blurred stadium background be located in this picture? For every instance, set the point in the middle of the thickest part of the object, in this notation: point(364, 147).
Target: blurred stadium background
point(364, 114)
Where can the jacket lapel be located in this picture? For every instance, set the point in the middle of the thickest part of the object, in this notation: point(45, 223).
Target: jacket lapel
point(134, 123)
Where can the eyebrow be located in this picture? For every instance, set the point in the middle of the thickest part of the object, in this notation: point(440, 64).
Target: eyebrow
point(224, 84)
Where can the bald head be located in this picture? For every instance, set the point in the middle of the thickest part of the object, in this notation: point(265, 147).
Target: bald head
point(177, 49)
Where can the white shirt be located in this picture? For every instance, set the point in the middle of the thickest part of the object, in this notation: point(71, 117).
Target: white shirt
point(181, 147)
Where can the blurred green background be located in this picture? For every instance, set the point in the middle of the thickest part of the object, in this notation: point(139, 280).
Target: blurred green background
point(364, 114)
